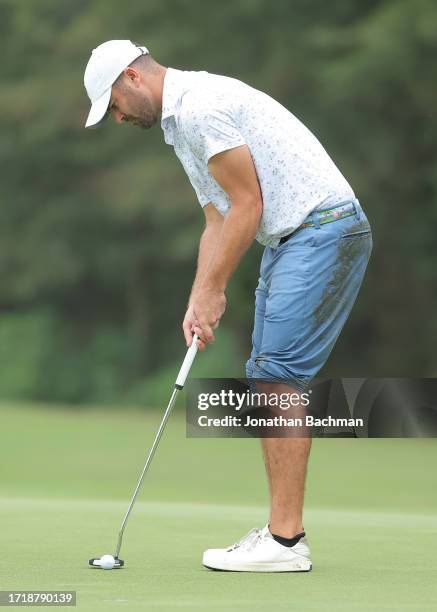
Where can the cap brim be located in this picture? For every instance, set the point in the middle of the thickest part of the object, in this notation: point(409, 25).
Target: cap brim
point(98, 109)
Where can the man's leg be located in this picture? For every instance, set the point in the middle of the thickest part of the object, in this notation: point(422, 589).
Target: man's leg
point(286, 462)
point(280, 546)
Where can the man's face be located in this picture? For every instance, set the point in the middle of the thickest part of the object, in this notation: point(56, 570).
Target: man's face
point(133, 105)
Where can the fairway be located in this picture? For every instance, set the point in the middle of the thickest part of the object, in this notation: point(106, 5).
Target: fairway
point(67, 476)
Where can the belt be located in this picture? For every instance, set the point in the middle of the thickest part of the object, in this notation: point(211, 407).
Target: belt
point(320, 217)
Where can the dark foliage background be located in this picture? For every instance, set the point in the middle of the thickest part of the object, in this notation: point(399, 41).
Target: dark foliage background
point(99, 229)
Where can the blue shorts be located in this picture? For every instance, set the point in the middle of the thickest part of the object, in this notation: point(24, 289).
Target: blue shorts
point(306, 290)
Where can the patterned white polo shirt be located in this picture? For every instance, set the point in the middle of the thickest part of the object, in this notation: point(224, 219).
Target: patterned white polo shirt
point(204, 114)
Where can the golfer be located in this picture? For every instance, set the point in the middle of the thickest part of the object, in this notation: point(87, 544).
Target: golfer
point(258, 173)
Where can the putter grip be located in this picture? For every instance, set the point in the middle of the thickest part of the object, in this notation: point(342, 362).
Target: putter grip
point(188, 362)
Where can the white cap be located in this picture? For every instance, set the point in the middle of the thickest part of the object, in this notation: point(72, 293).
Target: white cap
point(105, 65)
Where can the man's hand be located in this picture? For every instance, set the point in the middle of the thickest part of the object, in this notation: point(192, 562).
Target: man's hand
point(188, 326)
point(208, 307)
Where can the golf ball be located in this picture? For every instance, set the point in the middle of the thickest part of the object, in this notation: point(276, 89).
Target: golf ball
point(107, 562)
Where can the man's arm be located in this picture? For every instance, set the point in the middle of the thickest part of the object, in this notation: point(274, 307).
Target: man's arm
point(235, 172)
point(207, 246)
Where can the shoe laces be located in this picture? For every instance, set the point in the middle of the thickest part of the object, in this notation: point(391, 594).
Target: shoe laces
point(249, 541)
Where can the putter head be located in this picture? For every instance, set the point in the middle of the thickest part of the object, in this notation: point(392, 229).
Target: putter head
point(96, 563)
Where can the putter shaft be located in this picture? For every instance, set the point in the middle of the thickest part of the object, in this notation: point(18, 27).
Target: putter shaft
point(146, 466)
point(180, 381)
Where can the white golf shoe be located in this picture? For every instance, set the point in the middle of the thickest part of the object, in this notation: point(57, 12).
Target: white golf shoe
point(258, 551)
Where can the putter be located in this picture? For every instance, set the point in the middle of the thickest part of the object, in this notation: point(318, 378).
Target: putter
point(179, 384)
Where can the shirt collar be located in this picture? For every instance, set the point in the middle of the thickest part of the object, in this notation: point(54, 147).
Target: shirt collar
point(176, 82)
point(173, 88)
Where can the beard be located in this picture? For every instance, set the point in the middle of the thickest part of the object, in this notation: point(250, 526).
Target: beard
point(142, 113)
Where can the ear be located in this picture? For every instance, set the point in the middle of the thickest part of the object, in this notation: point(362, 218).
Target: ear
point(133, 75)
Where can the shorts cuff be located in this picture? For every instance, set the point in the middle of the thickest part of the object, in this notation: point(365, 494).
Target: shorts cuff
point(298, 382)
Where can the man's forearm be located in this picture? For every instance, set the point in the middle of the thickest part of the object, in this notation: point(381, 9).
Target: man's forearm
point(237, 234)
point(207, 246)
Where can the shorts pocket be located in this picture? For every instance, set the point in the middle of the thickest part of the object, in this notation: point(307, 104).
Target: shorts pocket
point(356, 234)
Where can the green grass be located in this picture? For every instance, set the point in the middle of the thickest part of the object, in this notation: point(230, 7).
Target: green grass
point(67, 476)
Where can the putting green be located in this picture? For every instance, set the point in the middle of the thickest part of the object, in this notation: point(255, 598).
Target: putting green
point(67, 477)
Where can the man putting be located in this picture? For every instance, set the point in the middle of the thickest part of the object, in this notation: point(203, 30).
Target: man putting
point(258, 173)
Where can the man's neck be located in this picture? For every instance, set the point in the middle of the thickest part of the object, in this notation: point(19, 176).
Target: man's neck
point(158, 92)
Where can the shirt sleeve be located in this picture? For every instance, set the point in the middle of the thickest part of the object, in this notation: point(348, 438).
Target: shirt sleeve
point(208, 125)
point(201, 197)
